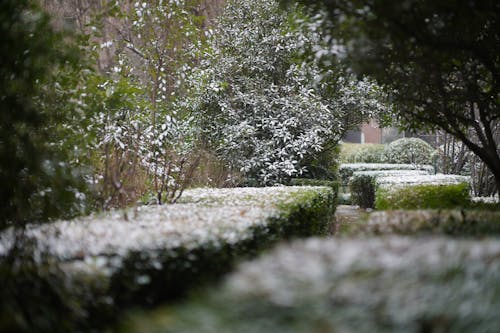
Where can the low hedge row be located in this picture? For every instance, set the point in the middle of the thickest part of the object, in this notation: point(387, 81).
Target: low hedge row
point(93, 268)
point(378, 284)
point(408, 189)
point(463, 223)
point(346, 171)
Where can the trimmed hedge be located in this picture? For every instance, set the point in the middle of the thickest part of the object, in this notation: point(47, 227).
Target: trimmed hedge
point(379, 284)
point(95, 268)
point(423, 196)
point(464, 223)
point(363, 184)
point(408, 189)
point(347, 170)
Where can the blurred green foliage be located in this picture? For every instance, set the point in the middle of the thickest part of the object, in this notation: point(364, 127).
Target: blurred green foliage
point(37, 183)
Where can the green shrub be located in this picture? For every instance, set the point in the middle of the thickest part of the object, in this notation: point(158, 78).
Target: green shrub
point(348, 169)
point(409, 150)
point(423, 196)
point(378, 284)
point(362, 189)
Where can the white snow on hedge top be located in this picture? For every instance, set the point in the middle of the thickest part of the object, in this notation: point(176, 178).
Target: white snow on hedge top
point(384, 166)
point(385, 173)
point(410, 180)
point(207, 216)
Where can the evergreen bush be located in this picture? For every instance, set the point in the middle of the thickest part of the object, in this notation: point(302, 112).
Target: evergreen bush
point(410, 150)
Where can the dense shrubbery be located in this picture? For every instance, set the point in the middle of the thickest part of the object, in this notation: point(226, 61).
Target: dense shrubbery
point(95, 266)
point(37, 183)
point(268, 106)
point(401, 151)
point(362, 153)
point(423, 196)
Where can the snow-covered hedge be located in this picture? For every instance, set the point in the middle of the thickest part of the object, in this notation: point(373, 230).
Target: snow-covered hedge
point(156, 252)
point(436, 195)
point(382, 284)
point(348, 169)
point(465, 223)
point(410, 180)
point(408, 189)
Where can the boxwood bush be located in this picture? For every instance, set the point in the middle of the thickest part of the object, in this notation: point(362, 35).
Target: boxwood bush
point(348, 169)
point(410, 150)
point(93, 268)
point(423, 196)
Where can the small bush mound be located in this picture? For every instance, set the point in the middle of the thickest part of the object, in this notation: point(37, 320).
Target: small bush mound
point(98, 265)
point(362, 153)
point(464, 223)
point(423, 196)
point(391, 284)
point(410, 150)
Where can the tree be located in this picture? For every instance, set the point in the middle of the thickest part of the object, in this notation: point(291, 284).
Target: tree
point(37, 183)
point(267, 104)
point(438, 58)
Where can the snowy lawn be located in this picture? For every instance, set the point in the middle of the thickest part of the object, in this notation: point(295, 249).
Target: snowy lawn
point(388, 284)
point(151, 253)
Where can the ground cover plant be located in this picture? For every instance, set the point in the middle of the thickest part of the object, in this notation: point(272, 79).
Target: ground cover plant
point(404, 284)
point(97, 265)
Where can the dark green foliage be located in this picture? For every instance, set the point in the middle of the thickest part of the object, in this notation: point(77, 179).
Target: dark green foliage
point(423, 196)
point(36, 184)
point(362, 189)
point(438, 58)
point(35, 295)
point(463, 223)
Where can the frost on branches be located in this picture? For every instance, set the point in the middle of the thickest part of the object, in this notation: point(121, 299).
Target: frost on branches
point(266, 102)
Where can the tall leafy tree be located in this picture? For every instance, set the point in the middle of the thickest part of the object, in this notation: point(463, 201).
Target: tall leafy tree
point(439, 58)
point(267, 103)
